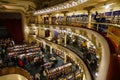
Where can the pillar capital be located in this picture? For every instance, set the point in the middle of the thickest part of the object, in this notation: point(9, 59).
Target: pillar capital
point(89, 8)
point(89, 15)
point(50, 20)
point(65, 17)
point(64, 12)
point(49, 14)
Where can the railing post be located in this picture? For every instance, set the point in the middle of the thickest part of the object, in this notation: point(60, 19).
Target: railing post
point(65, 39)
point(89, 15)
point(50, 18)
point(44, 46)
point(65, 57)
point(89, 19)
point(97, 27)
point(107, 32)
point(51, 50)
point(65, 17)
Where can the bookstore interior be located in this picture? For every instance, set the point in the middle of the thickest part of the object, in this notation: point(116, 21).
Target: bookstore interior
point(60, 40)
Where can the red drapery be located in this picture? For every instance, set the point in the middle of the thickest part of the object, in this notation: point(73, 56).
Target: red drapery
point(14, 26)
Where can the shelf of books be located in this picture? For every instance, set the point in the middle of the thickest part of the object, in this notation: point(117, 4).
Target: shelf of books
point(22, 49)
point(59, 71)
point(58, 52)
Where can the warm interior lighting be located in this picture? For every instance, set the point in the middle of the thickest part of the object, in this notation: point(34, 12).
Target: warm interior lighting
point(65, 5)
point(107, 6)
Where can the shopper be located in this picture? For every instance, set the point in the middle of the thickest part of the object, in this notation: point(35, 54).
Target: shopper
point(24, 60)
point(12, 42)
point(29, 59)
point(37, 76)
point(6, 61)
point(20, 62)
point(100, 19)
point(84, 46)
point(15, 60)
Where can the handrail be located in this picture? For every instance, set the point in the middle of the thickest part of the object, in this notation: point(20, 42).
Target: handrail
point(13, 77)
point(111, 24)
point(15, 70)
point(69, 52)
point(116, 25)
point(105, 54)
point(113, 32)
point(109, 32)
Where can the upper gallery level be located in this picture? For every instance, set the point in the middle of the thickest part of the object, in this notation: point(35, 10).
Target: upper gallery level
point(90, 14)
point(82, 13)
point(85, 13)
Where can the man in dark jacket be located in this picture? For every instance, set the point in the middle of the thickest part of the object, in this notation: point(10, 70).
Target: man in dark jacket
point(100, 19)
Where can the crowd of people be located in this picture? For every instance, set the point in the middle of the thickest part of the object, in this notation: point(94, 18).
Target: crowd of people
point(100, 18)
point(23, 61)
point(4, 44)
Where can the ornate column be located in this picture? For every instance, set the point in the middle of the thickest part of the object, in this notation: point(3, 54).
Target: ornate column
point(44, 46)
point(50, 18)
point(51, 50)
point(89, 19)
point(65, 39)
point(65, 57)
point(36, 19)
point(89, 15)
point(51, 33)
point(65, 17)
point(39, 19)
point(41, 32)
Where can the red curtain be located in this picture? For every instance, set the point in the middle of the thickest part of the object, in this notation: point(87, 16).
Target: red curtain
point(14, 26)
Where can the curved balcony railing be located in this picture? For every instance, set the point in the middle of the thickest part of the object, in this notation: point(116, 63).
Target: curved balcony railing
point(98, 41)
point(15, 70)
point(110, 30)
point(71, 54)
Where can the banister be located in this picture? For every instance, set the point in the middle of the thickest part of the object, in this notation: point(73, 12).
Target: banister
point(15, 70)
point(69, 52)
point(105, 52)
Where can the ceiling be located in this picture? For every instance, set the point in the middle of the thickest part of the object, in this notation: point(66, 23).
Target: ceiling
point(30, 5)
point(26, 4)
point(94, 4)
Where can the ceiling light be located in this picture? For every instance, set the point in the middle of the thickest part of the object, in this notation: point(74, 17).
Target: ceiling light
point(65, 5)
point(107, 6)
